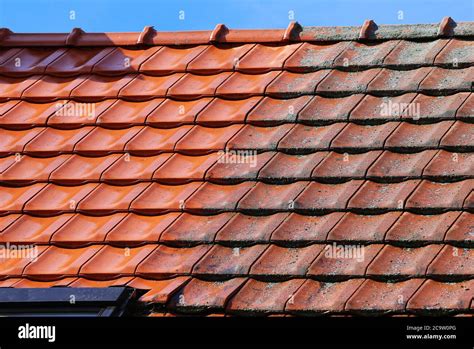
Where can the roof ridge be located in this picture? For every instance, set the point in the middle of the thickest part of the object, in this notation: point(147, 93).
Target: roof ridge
point(369, 30)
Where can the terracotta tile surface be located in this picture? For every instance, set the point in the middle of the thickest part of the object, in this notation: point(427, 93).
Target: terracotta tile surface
point(292, 172)
point(165, 262)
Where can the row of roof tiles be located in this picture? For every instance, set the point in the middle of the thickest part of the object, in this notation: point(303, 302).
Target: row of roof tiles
point(297, 296)
point(200, 140)
point(264, 262)
point(270, 167)
point(260, 111)
point(236, 85)
point(249, 58)
point(239, 230)
point(221, 34)
point(256, 198)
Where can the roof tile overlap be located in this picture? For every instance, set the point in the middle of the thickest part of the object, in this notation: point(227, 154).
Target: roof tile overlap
point(302, 171)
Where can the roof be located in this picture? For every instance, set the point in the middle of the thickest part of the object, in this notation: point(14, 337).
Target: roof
point(297, 171)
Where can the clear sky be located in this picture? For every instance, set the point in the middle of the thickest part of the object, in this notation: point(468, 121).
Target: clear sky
point(133, 15)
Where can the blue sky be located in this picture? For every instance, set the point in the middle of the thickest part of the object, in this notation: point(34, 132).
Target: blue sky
point(133, 15)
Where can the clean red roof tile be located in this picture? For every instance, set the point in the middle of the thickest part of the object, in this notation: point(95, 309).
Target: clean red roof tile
point(271, 197)
point(45, 89)
point(343, 262)
point(27, 115)
point(6, 106)
point(198, 295)
point(456, 53)
point(233, 168)
point(124, 114)
point(6, 162)
point(170, 60)
point(151, 141)
point(16, 87)
point(299, 228)
point(194, 229)
point(55, 199)
point(414, 136)
point(462, 229)
point(263, 297)
point(28, 229)
point(77, 114)
point(144, 87)
point(56, 262)
point(223, 261)
point(252, 137)
point(202, 140)
point(432, 195)
point(304, 138)
point(106, 199)
point(312, 56)
point(263, 58)
point(412, 228)
point(398, 81)
point(365, 55)
point(400, 166)
point(80, 169)
point(111, 262)
point(375, 296)
point(453, 165)
point(452, 262)
point(14, 141)
point(370, 228)
point(271, 111)
point(136, 229)
point(341, 82)
point(395, 262)
point(12, 264)
point(414, 53)
point(159, 291)
point(322, 197)
point(159, 198)
point(196, 86)
point(6, 221)
point(77, 61)
point(281, 262)
point(288, 168)
point(245, 85)
point(83, 230)
point(212, 197)
point(434, 295)
point(320, 297)
point(383, 196)
point(165, 262)
point(132, 169)
point(321, 109)
point(172, 113)
point(82, 282)
point(461, 135)
point(182, 168)
point(221, 112)
point(363, 136)
point(53, 141)
point(27, 170)
point(13, 199)
point(436, 107)
point(384, 108)
point(218, 58)
point(25, 283)
point(345, 166)
point(121, 61)
point(7, 53)
point(289, 84)
point(96, 88)
point(102, 141)
point(244, 229)
point(448, 80)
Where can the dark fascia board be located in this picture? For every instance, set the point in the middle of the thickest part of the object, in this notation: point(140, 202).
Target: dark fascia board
point(109, 301)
